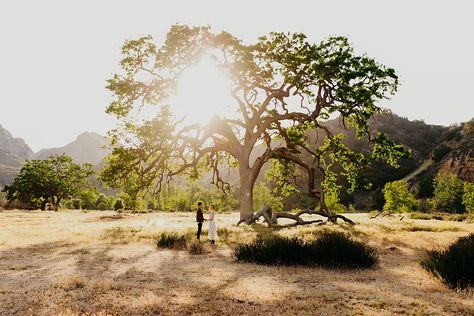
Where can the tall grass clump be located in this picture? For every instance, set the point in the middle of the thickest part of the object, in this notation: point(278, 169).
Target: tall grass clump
point(454, 265)
point(331, 249)
point(171, 241)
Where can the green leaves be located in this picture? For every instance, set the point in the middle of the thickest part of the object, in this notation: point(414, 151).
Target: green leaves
point(398, 198)
point(50, 180)
point(284, 87)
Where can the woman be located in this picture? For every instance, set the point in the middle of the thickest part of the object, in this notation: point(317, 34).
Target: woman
point(212, 234)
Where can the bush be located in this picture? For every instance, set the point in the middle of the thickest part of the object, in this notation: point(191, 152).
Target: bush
point(196, 248)
point(398, 198)
point(454, 266)
point(468, 197)
point(118, 205)
point(331, 249)
point(73, 204)
point(333, 203)
point(442, 216)
point(448, 191)
point(171, 241)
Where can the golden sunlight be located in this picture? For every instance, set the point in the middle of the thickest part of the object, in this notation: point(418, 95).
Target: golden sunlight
point(203, 91)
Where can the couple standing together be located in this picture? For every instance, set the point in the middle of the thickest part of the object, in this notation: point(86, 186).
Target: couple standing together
point(212, 234)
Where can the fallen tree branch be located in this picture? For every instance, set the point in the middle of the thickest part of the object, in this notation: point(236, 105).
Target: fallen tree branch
point(271, 218)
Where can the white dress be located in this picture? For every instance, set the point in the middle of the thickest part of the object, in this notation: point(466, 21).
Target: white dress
point(212, 234)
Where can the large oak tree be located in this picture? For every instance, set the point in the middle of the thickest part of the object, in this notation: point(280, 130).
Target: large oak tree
point(283, 86)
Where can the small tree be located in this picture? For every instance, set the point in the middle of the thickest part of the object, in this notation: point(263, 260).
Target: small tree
point(88, 198)
point(104, 202)
point(468, 197)
point(448, 191)
point(398, 198)
point(49, 181)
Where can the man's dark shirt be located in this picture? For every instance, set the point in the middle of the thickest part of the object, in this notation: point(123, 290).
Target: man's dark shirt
point(199, 216)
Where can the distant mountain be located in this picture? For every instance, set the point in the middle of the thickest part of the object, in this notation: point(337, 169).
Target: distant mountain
point(13, 153)
point(14, 145)
point(87, 148)
point(454, 153)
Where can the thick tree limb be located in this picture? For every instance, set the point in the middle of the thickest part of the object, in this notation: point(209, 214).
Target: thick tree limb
point(271, 218)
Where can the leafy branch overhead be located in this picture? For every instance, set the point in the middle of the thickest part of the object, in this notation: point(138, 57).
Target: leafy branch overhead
point(283, 86)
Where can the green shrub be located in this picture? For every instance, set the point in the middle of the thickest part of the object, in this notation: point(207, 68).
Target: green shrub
point(448, 191)
point(454, 265)
point(468, 196)
point(333, 203)
point(442, 216)
point(171, 241)
point(426, 205)
point(73, 204)
point(398, 198)
point(331, 249)
point(118, 205)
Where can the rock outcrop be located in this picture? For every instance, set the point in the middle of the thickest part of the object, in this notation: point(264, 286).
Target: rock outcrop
point(14, 145)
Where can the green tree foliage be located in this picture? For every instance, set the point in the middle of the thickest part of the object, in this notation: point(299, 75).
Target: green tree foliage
point(49, 181)
point(104, 202)
point(184, 198)
point(398, 198)
point(88, 198)
point(136, 151)
point(448, 191)
point(468, 197)
point(282, 85)
point(118, 205)
point(333, 203)
point(263, 195)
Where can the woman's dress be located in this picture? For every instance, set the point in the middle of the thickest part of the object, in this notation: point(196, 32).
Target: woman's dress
point(212, 234)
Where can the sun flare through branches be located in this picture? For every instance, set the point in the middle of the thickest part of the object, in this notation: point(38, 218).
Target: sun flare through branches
point(202, 92)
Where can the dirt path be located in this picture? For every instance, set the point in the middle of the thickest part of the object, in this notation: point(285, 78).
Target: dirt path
point(58, 263)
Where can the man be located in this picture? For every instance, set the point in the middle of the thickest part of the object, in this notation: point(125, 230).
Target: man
point(199, 219)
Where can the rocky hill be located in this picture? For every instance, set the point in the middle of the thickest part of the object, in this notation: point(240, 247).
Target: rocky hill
point(86, 148)
point(13, 153)
point(454, 153)
point(14, 145)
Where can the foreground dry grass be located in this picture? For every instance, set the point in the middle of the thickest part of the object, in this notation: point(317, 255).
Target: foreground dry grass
point(97, 263)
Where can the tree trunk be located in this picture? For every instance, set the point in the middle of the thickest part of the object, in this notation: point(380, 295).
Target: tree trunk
point(311, 179)
point(246, 197)
point(56, 203)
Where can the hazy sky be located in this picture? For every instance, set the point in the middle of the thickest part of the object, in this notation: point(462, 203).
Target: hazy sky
point(56, 55)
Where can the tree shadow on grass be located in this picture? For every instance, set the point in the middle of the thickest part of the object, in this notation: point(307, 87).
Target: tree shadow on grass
point(138, 279)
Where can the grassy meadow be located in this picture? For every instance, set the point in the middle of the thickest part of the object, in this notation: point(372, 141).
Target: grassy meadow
point(104, 263)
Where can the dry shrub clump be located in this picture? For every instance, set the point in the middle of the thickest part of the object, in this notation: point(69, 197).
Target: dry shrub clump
point(171, 241)
point(72, 283)
point(197, 248)
point(454, 265)
point(331, 249)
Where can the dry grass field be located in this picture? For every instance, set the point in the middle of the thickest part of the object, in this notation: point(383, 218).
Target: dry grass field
point(98, 263)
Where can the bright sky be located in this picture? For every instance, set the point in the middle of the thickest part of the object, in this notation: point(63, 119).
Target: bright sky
point(56, 55)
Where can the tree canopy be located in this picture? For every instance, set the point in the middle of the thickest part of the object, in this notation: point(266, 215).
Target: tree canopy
point(49, 181)
point(283, 87)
